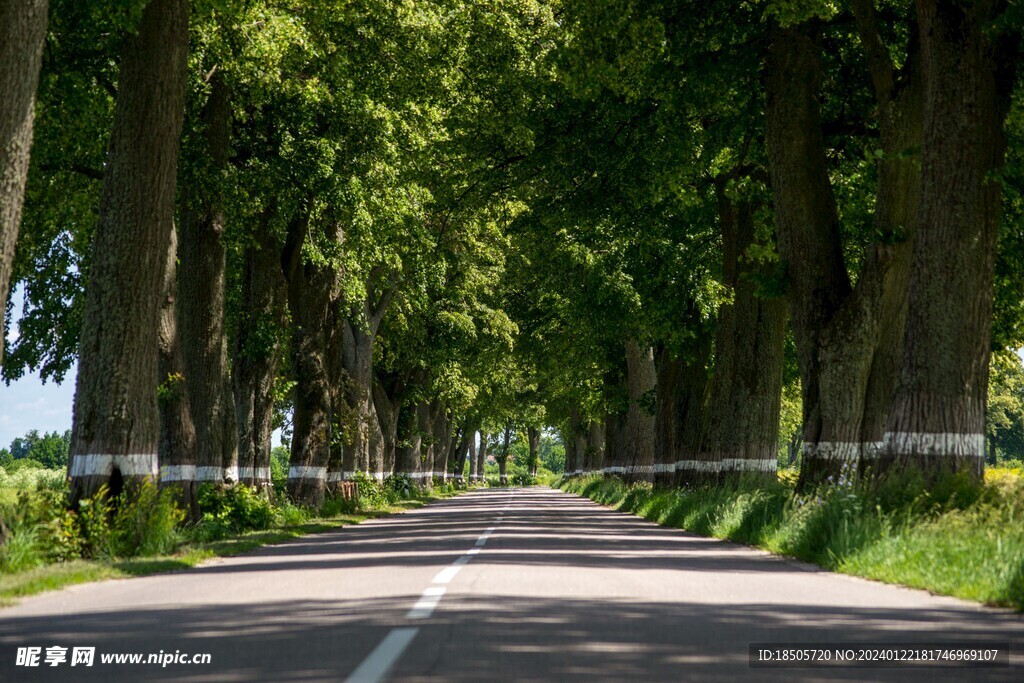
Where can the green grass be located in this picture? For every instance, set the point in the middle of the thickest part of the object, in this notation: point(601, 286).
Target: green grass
point(290, 525)
point(957, 539)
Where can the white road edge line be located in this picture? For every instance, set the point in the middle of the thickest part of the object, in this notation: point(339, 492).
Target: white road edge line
point(379, 662)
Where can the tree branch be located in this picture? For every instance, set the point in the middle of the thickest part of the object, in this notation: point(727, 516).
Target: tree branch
point(879, 62)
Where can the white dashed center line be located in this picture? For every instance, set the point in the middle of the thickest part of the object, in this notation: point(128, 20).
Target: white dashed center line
point(379, 662)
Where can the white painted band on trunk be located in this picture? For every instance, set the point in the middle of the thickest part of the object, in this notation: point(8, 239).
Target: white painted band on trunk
point(335, 477)
point(307, 472)
point(699, 465)
point(257, 473)
point(103, 464)
point(749, 464)
point(209, 474)
point(178, 473)
point(937, 444)
point(231, 473)
point(846, 451)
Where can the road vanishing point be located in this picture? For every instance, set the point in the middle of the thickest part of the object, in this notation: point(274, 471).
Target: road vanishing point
point(528, 584)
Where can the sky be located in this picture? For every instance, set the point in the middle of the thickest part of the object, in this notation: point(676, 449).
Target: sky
point(29, 404)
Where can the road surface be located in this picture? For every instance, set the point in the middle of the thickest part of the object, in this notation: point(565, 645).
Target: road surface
point(494, 585)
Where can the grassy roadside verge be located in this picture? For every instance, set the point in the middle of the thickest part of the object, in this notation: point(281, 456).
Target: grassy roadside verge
point(190, 552)
point(957, 540)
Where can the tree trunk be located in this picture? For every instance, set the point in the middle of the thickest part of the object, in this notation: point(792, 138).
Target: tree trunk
point(693, 467)
point(593, 458)
point(116, 419)
point(638, 441)
point(177, 449)
point(937, 420)
point(201, 304)
point(474, 464)
point(257, 343)
point(481, 456)
point(846, 336)
point(533, 439)
point(441, 431)
point(503, 456)
point(463, 448)
point(387, 409)
point(569, 441)
point(311, 292)
point(408, 453)
point(613, 437)
point(669, 369)
point(746, 388)
point(575, 444)
point(425, 427)
point(22, 34)
point(364, 438)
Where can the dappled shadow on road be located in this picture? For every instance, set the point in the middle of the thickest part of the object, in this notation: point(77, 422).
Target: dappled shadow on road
point(539, 531)
point(479, 638)
point(481, 633)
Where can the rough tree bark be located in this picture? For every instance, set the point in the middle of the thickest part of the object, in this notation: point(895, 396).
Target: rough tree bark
point(503, 456)
point(746, 387)
point(466, 438)
point(256, 352)
point(177, 449)
point(844, 350)
point(441, 431)
point(638, 434)
point(669, 370)
point(312, 290)
point(201, 304)
point(425, 427)
point(575, 443)
point(593, 457)
point(387, 407)
point(410, 440)
point(22, 34)
point(533, 440)
point(364, 445)
point(116, 419)
point(937, 420)
point(474, 464)
point(691, 416)
point(481, 455)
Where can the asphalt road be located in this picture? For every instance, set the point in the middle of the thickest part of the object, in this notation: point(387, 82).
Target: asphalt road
point(494, 585)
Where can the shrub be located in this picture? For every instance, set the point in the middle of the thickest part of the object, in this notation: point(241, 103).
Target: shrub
point(290, 514)
point(145, 522)
point(522, 479)
point(374, 494)
point(231, 509)
point(22, 550)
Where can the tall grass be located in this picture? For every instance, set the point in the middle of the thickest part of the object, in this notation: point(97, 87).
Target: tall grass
point(956, 538)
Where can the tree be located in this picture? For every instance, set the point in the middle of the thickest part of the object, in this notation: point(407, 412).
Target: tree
point(116, 420)
point(21, 49)
point(937, 421)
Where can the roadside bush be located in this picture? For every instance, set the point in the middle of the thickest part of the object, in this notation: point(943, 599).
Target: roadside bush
point(288, 513)
point(21, 551)
point(231, 509)
point(145, 522)
point(335, 505)
point(373, 494)
point(522, 479)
